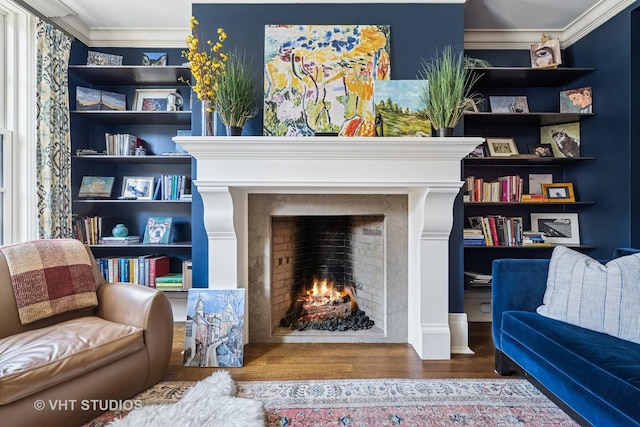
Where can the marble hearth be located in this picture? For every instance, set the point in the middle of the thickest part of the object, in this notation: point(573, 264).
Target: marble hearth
point(426, 171)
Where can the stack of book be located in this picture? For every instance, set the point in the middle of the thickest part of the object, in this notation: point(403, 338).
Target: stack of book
point(170, 282)
point(473, 237)
point(477, 281)
point(534, 238)
point(121, 144)
point(126, 240)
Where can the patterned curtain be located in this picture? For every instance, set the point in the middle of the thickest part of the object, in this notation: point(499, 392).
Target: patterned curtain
point(53, 141)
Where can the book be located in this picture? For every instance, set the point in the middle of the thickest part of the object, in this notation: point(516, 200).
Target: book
point(169, 278)
point(158, 266)
point(127, 240)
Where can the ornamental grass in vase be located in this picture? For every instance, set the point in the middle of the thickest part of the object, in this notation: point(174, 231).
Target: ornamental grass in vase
point(236, 98)
point(447, 91)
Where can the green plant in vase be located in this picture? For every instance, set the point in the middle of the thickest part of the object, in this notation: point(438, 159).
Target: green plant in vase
point(446, 93)
point(236, 98)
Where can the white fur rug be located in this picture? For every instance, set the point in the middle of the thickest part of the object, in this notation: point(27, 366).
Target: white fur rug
point(211, 402)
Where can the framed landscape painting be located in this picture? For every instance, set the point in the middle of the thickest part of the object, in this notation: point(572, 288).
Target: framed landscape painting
point(215, 327)
point(320, 78)
point(398, 104)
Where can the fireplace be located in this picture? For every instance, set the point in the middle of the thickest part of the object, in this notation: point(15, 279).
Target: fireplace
point(233, 172)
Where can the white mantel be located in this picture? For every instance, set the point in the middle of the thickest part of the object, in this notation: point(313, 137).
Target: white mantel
point(426, 169)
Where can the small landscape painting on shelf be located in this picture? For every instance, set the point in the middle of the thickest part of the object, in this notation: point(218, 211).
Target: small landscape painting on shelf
point(399, 106)
point(214, 328)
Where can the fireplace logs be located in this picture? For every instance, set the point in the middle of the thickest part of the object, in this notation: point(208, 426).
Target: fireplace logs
point(326, 307)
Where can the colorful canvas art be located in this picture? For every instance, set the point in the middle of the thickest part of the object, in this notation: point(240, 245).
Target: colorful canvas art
point(320, 78)
point(214, 328)
point(400, 108)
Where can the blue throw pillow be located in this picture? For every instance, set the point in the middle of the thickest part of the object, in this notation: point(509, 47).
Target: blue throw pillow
point(584, 292)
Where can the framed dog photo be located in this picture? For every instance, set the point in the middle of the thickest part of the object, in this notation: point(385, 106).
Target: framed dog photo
point(501, 147)
point(558, 227)
point(158, 230)
point(139, 187)
point(558, 192)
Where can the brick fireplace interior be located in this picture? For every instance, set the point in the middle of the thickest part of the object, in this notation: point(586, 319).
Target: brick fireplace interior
point(351, 240)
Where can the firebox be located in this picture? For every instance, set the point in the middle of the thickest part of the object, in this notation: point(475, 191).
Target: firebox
point(328, 271)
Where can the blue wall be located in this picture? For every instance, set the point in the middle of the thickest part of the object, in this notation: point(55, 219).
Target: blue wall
point(417, 31)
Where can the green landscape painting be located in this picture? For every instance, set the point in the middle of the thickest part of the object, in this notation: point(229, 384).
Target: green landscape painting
point(399, 106)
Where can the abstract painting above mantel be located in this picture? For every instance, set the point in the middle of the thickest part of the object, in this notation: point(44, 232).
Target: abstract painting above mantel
point(319, 78)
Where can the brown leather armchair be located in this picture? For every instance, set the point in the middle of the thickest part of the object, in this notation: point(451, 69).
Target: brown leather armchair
point(66, 369)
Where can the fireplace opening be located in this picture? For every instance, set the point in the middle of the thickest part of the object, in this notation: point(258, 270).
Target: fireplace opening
point(328, 271)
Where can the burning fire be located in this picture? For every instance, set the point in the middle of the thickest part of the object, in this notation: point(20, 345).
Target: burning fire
point(325, 292)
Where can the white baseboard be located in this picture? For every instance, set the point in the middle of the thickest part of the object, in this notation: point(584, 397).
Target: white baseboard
point(459, 328)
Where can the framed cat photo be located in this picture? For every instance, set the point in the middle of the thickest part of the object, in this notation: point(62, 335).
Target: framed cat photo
point(564, 139)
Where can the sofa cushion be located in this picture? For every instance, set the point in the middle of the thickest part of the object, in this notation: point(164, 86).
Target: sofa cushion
point(593, 363)
point(50, 277)
point(39, 359)
point(584, 292)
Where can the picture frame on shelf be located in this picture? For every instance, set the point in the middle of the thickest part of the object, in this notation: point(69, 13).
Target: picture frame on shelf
point(96, 187)
point(536, 180)
point(546, 54)
point(501, 147)
point(561, 192)
point(152, 99)
point(154, 59)
point(541, 150)
point(89, 99)
point(138, 187)
point(158, 230)
point(479, 151)
point(509, 104)
point(561, 228)
point(563, 137)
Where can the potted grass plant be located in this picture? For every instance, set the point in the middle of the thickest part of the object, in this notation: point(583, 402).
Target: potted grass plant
point(447, 90)
point(236, 99)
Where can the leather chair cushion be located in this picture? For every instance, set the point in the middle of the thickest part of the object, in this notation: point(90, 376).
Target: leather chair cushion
point(35, 360)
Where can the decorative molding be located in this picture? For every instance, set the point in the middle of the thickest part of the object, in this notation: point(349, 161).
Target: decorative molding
point(327, 1)
point(522, 39)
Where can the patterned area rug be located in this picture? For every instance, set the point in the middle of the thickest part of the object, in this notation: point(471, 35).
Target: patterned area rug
point(384, 402)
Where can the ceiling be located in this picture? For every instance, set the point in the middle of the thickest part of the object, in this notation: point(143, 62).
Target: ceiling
point(489, 24)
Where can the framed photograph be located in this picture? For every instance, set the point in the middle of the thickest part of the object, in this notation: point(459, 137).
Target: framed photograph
point(558, 192)
point(536, 180)
point(158, 230)
point(541, 150)
point(154, 59)
point(140, 187)
point(96, 186)
point(578, 100)
point(546, 54)
point(501, 147)
point(479, 151)
point(509, 104)
point(558, 227)
point(152, 99)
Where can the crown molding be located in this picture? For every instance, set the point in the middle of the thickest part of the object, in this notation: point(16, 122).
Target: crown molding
point(139, 37)
point(326, 1)
point(522, 39)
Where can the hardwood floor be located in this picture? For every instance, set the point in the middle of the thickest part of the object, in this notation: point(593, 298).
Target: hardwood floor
point(344, 361)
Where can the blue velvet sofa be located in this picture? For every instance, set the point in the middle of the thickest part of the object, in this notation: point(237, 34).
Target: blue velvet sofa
point(592, 376)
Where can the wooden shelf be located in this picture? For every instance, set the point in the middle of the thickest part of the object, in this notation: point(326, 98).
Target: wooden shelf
point(150, 159)
point(524, 161)
point(522, 119)
point(528, 77)
point(150, 246)
point(528, 247)
point(106, 201)
point(502, 204)
point(130, 75)
point(135, 117)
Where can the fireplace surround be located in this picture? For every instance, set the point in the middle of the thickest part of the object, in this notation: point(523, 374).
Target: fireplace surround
point(425, 170)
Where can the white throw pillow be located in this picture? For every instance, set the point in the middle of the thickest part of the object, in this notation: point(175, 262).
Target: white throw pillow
point(584, 292)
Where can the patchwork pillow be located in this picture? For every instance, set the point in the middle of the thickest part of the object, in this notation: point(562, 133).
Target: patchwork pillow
point(50, 277)
point(584, 292)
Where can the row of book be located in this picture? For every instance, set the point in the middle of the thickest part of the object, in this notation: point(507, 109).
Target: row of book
point(87, 229)
point(173, 187)
point(150, 270)
point(121, 144)
point(498, 230)
point(503, 189)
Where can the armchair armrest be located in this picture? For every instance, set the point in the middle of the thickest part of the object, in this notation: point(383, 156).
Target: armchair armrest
point(145, 308)
point(516, 284)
